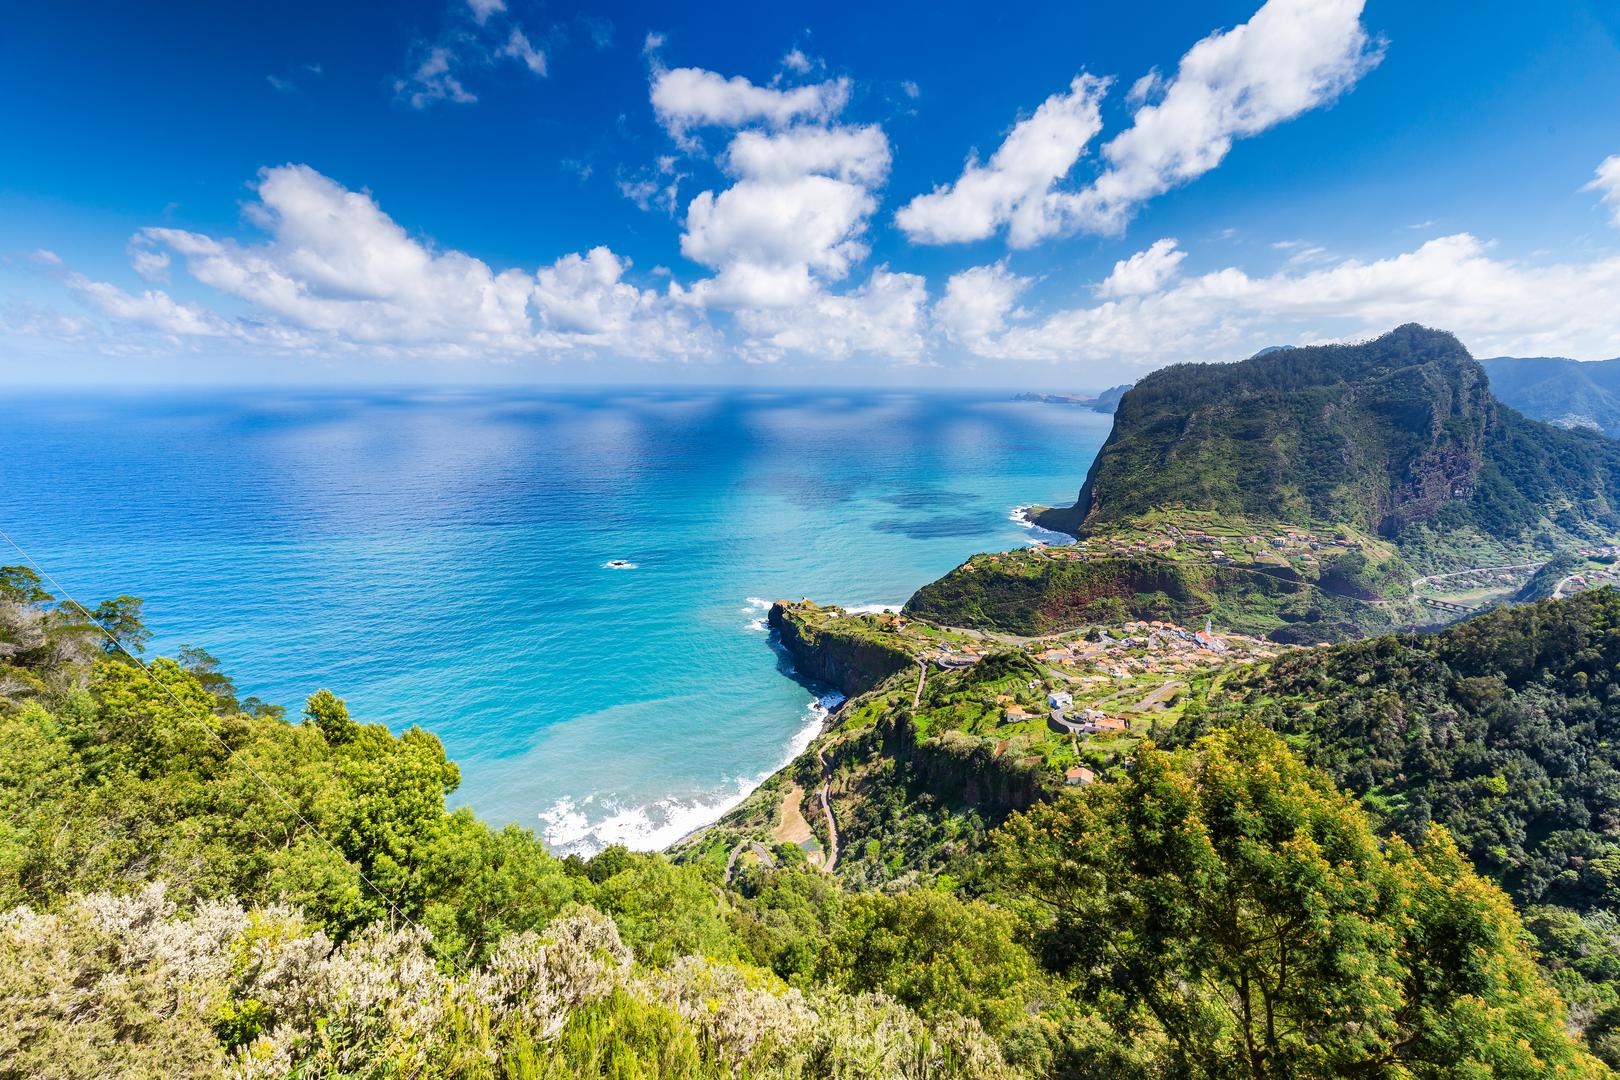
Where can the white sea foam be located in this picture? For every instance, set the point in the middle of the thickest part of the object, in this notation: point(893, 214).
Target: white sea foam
point(619, 564)
point(588, 825)
point(1037, 535)
point(753, 606)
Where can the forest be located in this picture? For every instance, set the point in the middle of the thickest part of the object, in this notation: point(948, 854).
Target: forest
point(196, 885)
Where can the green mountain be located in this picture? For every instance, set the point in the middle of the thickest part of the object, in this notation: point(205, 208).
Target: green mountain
point(1398, 432)
point(1108, 400)
point(1308, 494)
point(1569, 393)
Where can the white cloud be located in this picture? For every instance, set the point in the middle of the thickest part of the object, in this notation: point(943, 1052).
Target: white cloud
point(768, 238)
point(1607, 181)
point(977, 304)
point(1013, 187)
point(885, 317)
point(1145, 272)
point(154, 309)
point(1291, 57)
point(517, 47)
point(796, 61)
point(1496, 306)
point(1148, 86)
point(152, 266)
point(859, 155)
point(336, 269)
point(45, 256)
point(686, 98)
point(793, 220)
point(433, 80)
point(483, 9)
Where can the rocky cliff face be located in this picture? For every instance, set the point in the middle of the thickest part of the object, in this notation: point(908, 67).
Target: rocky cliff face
point(1378, 435)
point(830, 649)
point(1390, 436)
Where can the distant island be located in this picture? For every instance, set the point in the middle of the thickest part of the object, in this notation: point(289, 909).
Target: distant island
point(1105, 402)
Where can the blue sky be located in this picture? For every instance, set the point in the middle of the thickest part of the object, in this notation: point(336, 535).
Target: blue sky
point(1060, 195)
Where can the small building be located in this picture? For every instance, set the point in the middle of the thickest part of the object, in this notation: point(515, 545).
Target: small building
point(1078, 775)
point(1059, 700)
point(1014, 714)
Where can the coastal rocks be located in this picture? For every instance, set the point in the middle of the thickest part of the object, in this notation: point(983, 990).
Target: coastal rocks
point(830, 647)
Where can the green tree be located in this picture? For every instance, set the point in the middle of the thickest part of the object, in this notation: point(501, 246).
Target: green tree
point(935, 953)
point(1229, 902)
point(205, 667)
point(328, 712)
point(21, 585)
point(120, 618)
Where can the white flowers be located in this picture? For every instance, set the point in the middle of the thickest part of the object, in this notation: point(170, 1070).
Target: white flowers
point(133, 986)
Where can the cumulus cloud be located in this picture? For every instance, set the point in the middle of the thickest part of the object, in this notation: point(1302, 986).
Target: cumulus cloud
point(793, 221)
point(1014, 186)
point(1290, 57)
point(796, 213)
point(1144, 272)
point(885, 317)
point(977, 304)
point(857, 155)
point(338, 270)
point(154, 309)
point(1495, 305)
point(686, 98)
point(1607, 182)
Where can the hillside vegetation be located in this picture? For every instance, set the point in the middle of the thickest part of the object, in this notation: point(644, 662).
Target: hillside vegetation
point(1504, 730)
point(1569, 393)
point(171, 915)
point(1390, 459)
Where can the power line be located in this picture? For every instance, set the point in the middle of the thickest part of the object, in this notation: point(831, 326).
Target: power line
point(209, 728)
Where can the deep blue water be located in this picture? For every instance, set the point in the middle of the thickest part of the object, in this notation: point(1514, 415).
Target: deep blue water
point(438, 559)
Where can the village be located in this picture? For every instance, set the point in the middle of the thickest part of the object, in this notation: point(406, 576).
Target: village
point(1105, 685)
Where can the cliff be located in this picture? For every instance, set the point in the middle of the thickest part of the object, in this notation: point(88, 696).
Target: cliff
point(850, 652)
point(1393, 437)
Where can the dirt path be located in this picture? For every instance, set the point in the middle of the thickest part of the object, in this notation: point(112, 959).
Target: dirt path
point(922, 679)
point(826, 809)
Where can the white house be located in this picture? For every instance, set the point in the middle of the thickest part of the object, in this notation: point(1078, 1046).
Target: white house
point(1058, 699)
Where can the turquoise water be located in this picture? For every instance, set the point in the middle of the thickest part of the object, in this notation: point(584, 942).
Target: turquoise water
point(439, 559)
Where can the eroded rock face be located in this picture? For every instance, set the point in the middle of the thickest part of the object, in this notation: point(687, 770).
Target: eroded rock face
point(851, 660)
point(1397, 432)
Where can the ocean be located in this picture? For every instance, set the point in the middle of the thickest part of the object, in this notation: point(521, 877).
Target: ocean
point(568, 588)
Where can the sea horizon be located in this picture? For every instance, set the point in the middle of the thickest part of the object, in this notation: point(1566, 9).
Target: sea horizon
point(287, 532)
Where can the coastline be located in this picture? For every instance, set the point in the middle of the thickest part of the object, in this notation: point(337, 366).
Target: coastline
point(565, 830)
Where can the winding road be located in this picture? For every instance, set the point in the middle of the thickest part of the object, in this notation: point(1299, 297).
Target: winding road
point(826, 809)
